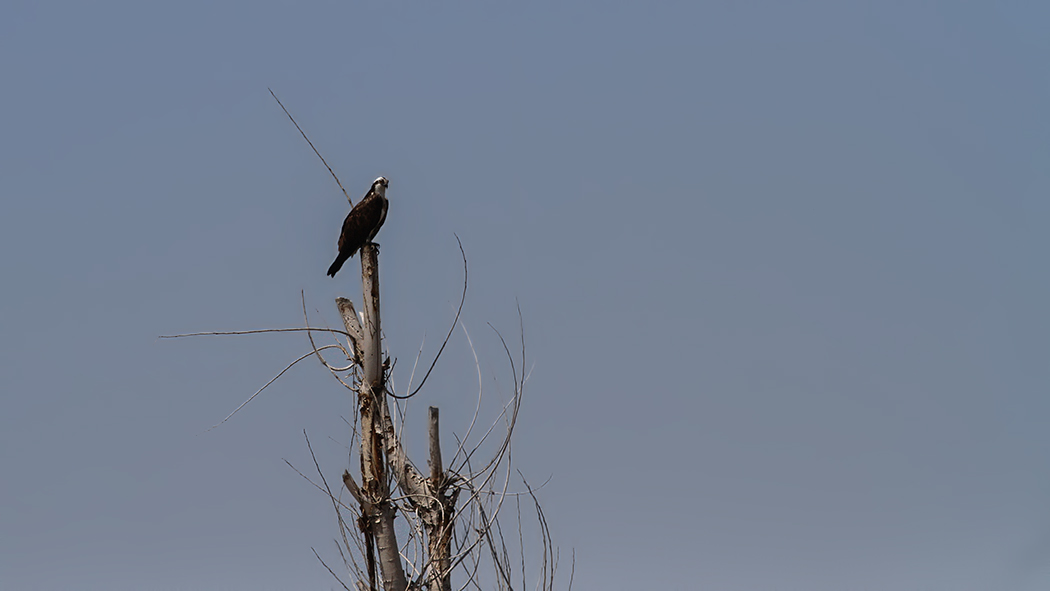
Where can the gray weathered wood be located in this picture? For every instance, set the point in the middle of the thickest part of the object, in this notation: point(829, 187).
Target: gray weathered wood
point(433, 499)
point(437, 514)
point(372, 404)
point(351, 322)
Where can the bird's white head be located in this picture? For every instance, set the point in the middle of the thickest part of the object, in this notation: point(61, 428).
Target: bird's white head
point(379, 186)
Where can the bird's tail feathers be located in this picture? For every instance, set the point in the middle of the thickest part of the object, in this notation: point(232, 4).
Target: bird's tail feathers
point(338, 264)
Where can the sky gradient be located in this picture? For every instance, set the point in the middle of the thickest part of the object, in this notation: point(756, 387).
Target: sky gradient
point(782, 270)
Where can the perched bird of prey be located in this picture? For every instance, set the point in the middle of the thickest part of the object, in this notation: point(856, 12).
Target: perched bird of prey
point(362, 223)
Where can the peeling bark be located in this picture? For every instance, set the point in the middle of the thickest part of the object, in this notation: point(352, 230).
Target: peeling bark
point(352, 324)
point(377, 508)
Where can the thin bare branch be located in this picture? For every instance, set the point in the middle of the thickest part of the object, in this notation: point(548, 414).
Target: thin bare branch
point(312, 146)
point(516, 406)
point(335, 502)
point(258, 331)
point(485, 436)
point(257, 392)
point(492, 549)
point(319, 487)
point(329, 569)
point(521, 539)
point(548, 550)
point(572, 571)
point(415, 364)
point(487, 521)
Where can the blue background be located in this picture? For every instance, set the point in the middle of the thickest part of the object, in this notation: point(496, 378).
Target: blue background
point(782, 269)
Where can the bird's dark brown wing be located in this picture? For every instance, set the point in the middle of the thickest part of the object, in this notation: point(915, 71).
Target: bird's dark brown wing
point(360, 225)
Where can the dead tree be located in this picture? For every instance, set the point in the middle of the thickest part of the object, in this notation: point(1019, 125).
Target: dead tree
point(450, 516)
point(445, 536)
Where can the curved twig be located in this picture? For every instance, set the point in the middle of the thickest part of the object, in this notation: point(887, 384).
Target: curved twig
point(415, 364)
point(514, 404)
point(310, 336)
point(468, 455)
point(462, 300)
point(477, 407)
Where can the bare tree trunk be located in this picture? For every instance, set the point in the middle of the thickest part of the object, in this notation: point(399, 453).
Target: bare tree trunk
point(372, 403)
point(438, 519)
point(428, 504)
point(381, 451)
point(384, 461)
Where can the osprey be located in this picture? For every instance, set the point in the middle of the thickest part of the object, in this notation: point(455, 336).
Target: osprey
point(362, 223)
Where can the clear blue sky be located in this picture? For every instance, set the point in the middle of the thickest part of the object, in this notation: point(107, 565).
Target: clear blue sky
point(783, 271)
